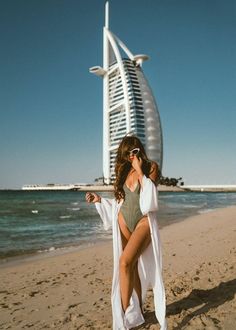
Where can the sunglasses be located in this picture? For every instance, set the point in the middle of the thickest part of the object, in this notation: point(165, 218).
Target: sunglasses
point(134, 151)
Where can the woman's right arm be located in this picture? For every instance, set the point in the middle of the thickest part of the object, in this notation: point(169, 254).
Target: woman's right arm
point(103, 206)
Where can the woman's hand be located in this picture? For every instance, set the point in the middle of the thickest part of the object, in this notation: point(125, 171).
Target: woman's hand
point(92, 198)
point(137, 164)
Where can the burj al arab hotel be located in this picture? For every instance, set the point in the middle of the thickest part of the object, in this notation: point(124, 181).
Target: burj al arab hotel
point(129, 106)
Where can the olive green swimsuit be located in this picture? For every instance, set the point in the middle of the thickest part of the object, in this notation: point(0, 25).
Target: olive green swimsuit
point(130, 208)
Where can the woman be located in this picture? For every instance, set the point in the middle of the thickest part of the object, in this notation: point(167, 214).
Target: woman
point(136, 243)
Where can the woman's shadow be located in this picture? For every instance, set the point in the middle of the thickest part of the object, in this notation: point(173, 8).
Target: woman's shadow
point(205, 299)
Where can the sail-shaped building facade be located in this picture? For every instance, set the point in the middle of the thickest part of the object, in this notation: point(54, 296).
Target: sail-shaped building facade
point(129, 106)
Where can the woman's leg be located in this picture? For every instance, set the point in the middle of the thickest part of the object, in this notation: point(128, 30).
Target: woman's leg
point(125, 236)
point(136, 244)
point(137, 284)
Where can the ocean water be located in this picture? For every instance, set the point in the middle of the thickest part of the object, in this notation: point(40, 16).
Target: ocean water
point(34, 222)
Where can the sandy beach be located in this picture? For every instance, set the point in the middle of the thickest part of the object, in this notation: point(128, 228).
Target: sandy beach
point(72, 291)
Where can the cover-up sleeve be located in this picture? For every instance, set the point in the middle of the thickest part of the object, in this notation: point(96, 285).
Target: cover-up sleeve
point(105, 211)
point(148, 196)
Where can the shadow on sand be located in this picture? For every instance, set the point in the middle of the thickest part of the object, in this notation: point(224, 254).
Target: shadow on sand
point(205, 299)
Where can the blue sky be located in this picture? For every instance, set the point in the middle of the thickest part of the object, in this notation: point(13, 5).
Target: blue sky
point(51, 106)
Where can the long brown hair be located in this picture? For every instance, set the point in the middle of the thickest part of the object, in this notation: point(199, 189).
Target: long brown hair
point(123, 165)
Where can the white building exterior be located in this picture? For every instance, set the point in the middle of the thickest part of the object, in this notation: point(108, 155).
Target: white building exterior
point(129, 106)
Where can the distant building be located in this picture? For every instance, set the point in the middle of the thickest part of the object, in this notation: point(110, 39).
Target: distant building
point(99, 181)
point(128, 102)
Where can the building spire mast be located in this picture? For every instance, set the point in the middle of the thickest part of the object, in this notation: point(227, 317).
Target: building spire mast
point(107, 15)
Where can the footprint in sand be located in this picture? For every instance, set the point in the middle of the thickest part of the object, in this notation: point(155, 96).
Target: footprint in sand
point(33, 293)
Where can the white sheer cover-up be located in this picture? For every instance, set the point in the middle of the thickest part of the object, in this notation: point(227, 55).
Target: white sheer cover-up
point(149, 263)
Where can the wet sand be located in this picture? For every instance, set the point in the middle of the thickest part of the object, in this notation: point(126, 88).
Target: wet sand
point(72, 291)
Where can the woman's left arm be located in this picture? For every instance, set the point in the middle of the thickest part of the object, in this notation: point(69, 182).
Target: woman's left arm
point(149, 192)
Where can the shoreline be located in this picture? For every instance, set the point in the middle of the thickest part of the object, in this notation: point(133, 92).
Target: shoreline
point(48, 253)
point(65, 249)
point(72, 290)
